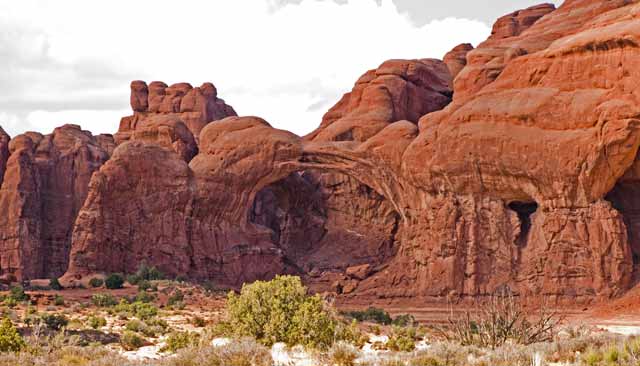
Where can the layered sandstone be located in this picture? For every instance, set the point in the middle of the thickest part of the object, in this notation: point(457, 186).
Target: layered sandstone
point(44, 186)
point(193, 106)
point(523, 179)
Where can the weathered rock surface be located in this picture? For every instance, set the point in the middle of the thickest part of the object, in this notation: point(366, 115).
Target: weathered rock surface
point(44, 186)
point(195, 107)
point(397, 90)
point(525, 179)
point(4, 152)
point(456, 59)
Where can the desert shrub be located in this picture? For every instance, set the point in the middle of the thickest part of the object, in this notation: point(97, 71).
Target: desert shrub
point(134, 325)
point(96, 282)
point(423, 360)
point(176, 297)
point(114, 281)
point(54, 284)
point(404, 320)
point(145, 273)
point(54, 321)
point(144, 310)
point(145, 285)
point(103, 300)
point(402, 339)
point(198, 322)
point(350, 333)
point(10, 339)
point(244, 352)
point(342, 354)
point(180, 340)
point(502, 320)
point(58, 300)
point(10, 302)
point(17, 293)
point(280, 311)
point(372, 314)
point(131, 341)
point(144, 297)
point(181, 279)
point(96, 322)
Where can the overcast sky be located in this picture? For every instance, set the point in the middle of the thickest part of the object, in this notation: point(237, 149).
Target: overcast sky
point(287, 61)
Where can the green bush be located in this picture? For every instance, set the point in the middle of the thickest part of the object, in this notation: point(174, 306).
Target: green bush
point(58, 300)
point(114, 281)
point(176, 297)
point(134, 325)
point(103, 300)
point(372, 314)
point(144, 310)
point(144, 297)
point(54, 284)
point(145, 285)
point(10, 339)
point(96, 282)
point(351, 334)
point(54, 321)
point(17, 293)
point(180, 340)
point(404, 320)
point(280, 311)
point(402, 339)
point(145, 273)
point(131, 341)
point(96, 322)
point(343, 354)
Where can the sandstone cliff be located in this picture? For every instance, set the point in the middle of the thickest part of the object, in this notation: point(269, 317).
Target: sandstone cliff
point(44, 186)
point(511, 164)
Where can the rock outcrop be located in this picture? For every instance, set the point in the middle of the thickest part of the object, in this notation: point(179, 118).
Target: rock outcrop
point(522, 175)
point(397, 90)
point(456, 59)
point(44, 186)
point(4, 152)
point(194, 107)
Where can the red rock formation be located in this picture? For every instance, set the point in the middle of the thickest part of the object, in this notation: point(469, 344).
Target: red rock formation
point(44, 186)
point(4, 152)
point(195, 107)
point(505, 186)
point(397, 90)
point(456, 59)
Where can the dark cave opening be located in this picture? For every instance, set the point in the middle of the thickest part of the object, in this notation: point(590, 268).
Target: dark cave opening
point(524, 211)
point(327, 221)
point(625, 198)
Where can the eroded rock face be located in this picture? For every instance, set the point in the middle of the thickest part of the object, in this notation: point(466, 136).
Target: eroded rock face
point(195, 107)
point(456, 59)
point(397, 90)
point(4, 152)
point(44, 186)
point(520, 181)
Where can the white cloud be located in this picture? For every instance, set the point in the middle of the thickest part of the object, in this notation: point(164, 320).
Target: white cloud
point(287, 65)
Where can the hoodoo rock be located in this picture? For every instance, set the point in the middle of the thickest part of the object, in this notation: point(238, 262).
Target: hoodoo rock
point(44, 186)
point(194, 107)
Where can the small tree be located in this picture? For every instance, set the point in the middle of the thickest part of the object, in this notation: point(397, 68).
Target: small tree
point(280, 311)
point(10, 339)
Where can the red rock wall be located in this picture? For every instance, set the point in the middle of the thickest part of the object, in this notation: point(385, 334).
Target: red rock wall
point(44, 186)
point(505, 185)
